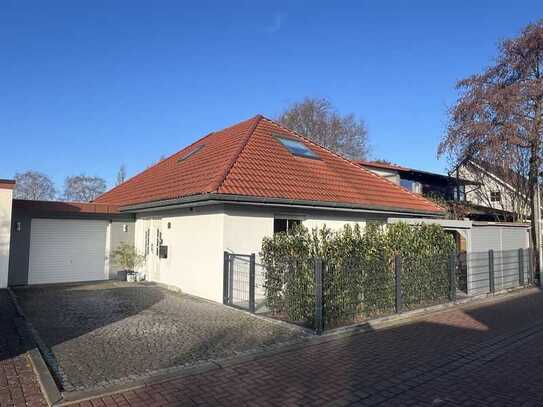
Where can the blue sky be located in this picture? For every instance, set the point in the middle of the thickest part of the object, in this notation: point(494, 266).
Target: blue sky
point(88, 86)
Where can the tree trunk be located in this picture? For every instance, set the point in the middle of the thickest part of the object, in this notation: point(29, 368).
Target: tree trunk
point(533, 183)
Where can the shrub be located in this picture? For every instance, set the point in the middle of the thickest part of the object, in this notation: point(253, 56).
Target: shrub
point(359, 279)
point(126, 256)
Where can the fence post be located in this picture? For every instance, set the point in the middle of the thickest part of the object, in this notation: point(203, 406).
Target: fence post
point(252, 283)
point(452, 277)
point(398, 279)
point(319, 321)
point(491, 271)
point(521, 267)
point(225, 278)
point(530, 266)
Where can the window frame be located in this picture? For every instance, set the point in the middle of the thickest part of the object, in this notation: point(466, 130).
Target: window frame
point(288, 219)
point(280, 137)
point(494, 194)
point(186, 156)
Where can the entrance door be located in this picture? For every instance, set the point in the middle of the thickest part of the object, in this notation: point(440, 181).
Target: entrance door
point(152, 242)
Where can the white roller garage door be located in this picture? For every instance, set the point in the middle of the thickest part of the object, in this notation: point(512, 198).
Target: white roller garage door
point(63, 251)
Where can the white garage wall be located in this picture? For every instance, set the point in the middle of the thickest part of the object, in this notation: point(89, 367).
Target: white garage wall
point(6, 195)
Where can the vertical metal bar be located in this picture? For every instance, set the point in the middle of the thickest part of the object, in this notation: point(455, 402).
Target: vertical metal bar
point(319, 321)
point(398, 278)
point(491, 281)
point(521, 267)
point(530, 266)
point(452, 276)
point(225, 279)
point(252, 266)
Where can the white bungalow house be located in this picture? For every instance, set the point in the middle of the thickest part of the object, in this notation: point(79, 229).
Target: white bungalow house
point(223, 193)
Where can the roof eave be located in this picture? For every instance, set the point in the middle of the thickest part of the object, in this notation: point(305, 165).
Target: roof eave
point(215, 198)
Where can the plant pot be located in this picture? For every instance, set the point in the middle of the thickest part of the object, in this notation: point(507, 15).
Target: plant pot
point(131, 277)
point(121, 275)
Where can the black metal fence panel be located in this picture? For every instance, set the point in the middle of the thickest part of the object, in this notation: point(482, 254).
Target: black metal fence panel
point(321, 294)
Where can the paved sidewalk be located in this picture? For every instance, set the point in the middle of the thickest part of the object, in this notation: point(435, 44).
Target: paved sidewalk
point(480, 355)
point(18, 384)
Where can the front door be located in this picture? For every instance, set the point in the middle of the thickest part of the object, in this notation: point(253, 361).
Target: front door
point(153, 240)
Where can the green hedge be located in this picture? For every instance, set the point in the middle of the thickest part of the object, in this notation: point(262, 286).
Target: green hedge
point(358, 280)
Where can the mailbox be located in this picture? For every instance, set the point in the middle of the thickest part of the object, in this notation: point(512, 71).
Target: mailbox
point(163, 252)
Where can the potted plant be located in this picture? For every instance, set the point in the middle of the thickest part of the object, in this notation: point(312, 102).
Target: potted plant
point(126, 256)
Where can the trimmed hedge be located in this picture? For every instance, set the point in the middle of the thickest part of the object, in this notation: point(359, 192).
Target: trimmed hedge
point(359, 279)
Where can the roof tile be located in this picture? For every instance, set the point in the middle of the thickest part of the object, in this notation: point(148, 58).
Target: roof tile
point(246, 159)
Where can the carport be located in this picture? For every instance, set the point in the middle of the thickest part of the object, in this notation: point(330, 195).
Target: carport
point(65, 242)
point(501, 246)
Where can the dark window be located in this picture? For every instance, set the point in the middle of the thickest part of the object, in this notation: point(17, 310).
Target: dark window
point(285, 225)
point(495, 196)
point(412, 186)
point(297, 147)
point(191, 153)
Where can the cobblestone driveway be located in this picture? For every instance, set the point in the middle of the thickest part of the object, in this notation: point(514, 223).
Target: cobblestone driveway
point(481, 355)
point(109, 333)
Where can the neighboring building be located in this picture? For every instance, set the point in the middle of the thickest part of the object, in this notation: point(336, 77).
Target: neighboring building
point(6, 196)
point(473, 193)
point(426, 183)
point(496, 188)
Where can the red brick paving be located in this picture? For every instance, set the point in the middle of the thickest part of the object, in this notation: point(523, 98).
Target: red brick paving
point(18, 384)
point(484, 355)
point(480, 355)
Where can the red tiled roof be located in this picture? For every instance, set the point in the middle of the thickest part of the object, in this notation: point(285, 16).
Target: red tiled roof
point(247, 160)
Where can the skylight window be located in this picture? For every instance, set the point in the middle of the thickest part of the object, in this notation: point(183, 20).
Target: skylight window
point(191, 153)
point(297, 148)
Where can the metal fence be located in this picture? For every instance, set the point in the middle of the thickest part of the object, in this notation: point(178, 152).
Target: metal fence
point(322, 294)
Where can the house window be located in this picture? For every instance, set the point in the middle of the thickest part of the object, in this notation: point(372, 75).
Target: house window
point(297, 147)
point(411, 186)
point(495, 196)
point(285, 225)
point(190, 153)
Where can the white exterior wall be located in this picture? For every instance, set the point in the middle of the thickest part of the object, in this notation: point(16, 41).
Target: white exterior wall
point(197, 240)
point(195, 251)
point(245, 227)
point(6, 196)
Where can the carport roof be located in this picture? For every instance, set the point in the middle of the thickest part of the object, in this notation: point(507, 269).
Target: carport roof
point(262, 159)
point(65, 207)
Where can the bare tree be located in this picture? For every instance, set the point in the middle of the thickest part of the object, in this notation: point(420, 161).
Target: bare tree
point(83, 188)
point(500, 111)
point(318, 120)
point(34, 185)
point(121, 174)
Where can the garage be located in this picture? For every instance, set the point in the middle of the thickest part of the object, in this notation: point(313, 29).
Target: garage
point(67, 250)
point(65, 242)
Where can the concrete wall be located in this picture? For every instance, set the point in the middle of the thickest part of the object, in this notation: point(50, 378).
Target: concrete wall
point(6, 197)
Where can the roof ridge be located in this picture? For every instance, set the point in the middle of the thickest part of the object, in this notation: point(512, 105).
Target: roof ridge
point(256, 121)
point(420, 198)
